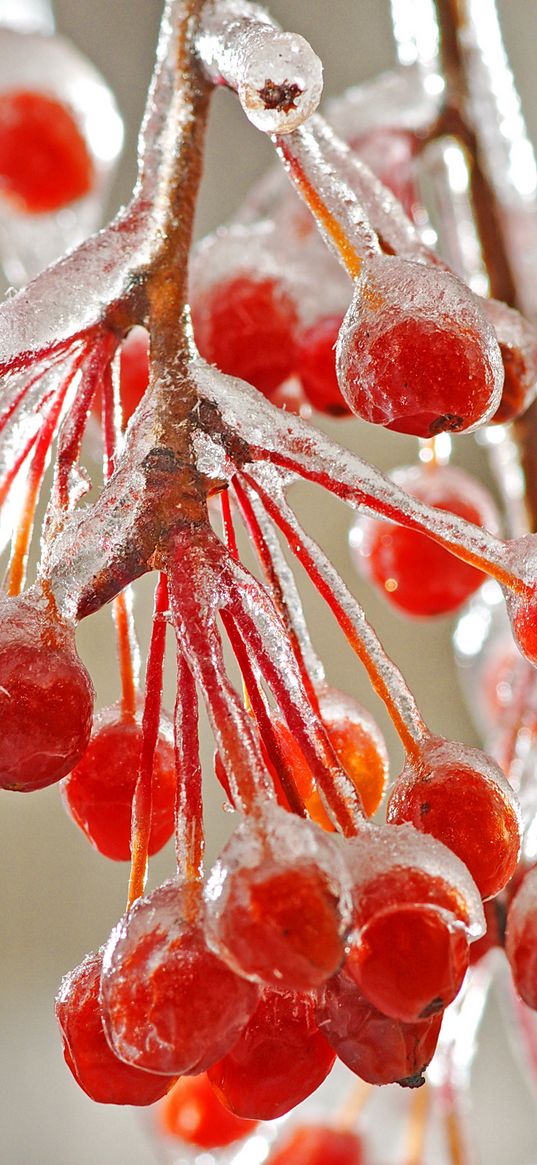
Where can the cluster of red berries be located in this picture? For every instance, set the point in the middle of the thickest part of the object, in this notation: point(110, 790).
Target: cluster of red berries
point(302, 947)
point(232, 997)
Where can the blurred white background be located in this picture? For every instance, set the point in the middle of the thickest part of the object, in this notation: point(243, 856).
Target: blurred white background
point(60, 898)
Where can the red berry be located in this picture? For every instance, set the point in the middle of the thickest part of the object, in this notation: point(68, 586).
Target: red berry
point(415, 574)
point(410, 960)
point(44, 161)
point(316, 366)
point(394, 865)
point(459, 795)
point(192, 1112)
point(133, 370)
point(415, 353)
point(98, 793)
point(277, 902)
point(379, 1049)
point(169, 1004)
point(518, 346)
point(46, 695)
point(246, 326)
point(318, 1145)
point(522, 611)
point(278, 1060)
point(87, 1053)
point(521, 938)
point(358, 744)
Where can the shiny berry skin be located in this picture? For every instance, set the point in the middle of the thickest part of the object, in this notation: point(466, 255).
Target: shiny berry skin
point(46, 695)
point(460, 796)
point(413, 572)
point(99, 791)
point(279, 1059)
point(316, 366)
point(410, 960)
point(415, 353)
point(246, 326)
point(278, 907)
point(44, 161)
point(358, 744)
point(318, 1145)
point(169, 1004)
point(518, 346)
point(522, 611)
point(87, 1052)
point(191, 1112)
point(379, 1049)
point(521, 939)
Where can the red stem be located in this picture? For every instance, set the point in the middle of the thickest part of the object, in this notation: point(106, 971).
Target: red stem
point(142, 802)
point(411, 742)
point(189, 836)
point(19, 556)
point(259, 709)
point(265, 558)
point(73, 428)
point(126, 643)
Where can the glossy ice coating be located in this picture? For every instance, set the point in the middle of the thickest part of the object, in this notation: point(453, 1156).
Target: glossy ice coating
point(46, 695)
point(278, 905)
point(460, 796)
point(415, 353)
point(169, 1004)
point(87, 1052)
point(280, 1058)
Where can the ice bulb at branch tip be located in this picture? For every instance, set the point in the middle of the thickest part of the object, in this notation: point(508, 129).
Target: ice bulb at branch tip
point(281, 83)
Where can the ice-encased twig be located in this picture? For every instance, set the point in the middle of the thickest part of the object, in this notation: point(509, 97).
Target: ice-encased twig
point(287, 441)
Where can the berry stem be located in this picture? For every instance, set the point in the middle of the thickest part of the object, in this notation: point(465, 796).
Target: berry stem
point(141, 806)
point(353, 1106)
point(299, 637)
point(272, 651)
point(19, 554)
point(385, 677)
point(259, 709)
point(196, 584)
point(189, 835)
point(341, 219)
point(127, 643)
point(73, 427)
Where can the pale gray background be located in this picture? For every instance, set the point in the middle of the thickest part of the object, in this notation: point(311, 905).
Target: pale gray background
point(60, 898)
